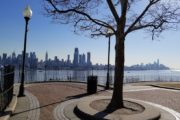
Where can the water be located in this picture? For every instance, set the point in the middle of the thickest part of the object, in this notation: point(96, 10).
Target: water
point(79, 75)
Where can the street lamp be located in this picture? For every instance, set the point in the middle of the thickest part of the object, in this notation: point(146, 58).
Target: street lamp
point(109, 33)
point(27, 13)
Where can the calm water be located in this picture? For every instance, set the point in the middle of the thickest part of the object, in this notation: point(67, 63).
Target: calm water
point(77, 75)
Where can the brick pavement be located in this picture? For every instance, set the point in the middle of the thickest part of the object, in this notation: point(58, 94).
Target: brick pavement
point(27, 108)
point(170, 99)
point(50, 95)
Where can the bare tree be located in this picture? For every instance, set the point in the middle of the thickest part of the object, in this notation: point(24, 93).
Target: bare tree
point(122, 17)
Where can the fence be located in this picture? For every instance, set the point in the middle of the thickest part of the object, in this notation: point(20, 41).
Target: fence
point(32, 76)
point(6, 86)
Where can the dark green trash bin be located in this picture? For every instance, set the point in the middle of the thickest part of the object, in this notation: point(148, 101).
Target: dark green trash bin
point(91, 84)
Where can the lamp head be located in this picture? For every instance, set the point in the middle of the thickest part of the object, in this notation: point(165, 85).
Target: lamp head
point(27, 13)
point(109, 32)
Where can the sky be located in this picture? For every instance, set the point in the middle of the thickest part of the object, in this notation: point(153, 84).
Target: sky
point(59, 40)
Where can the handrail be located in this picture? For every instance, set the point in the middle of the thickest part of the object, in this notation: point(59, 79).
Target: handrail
point(7, 74)
point(7, 90)
point(7, 84)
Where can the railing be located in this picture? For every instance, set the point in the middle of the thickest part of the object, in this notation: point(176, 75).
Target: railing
point(32, 76)
point(6, 86)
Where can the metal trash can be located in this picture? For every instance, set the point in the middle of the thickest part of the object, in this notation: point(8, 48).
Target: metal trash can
point(91, 84)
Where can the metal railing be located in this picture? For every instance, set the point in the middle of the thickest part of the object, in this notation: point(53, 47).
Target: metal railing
point(32, 76)
point(6, 86)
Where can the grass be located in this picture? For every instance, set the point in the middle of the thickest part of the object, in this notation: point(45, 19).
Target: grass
point(171, 85)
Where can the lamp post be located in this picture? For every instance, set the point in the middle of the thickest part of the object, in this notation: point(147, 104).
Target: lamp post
point(109, 33)
point(27, 13)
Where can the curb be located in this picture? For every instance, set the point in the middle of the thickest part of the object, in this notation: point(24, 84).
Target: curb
point(10, 108)
point(69, 110)
point(34, 112)
point(159, 86)
point(84, 110)
point(65, 110)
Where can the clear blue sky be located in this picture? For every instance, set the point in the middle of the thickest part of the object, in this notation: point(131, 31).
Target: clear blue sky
point(60, 40)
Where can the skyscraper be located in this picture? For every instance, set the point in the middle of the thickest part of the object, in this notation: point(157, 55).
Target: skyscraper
point(32, 55)
point(46, 57)
point(88, 58)
point(4, 58)
point(76, 57)
point(158, 62)
point(13, 58)
point(80, 59)
point(13, 55)
point(33, 61)
point(83, 59)
point(68, 59)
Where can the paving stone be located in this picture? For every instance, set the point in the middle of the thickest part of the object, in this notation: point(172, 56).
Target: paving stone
point(51, 95)
point(27, 108)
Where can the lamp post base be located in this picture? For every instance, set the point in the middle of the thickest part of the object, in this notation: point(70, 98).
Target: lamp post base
point(21, 91)
point(107, 82)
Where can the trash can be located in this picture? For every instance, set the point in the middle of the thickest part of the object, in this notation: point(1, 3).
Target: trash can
point(91, 84)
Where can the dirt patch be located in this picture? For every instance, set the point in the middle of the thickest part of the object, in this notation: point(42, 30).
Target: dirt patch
point(129, 109)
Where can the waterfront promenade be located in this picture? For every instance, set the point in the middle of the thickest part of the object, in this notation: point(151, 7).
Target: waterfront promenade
point(42, 98)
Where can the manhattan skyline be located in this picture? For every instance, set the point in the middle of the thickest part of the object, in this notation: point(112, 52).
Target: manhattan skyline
point(59, 40)
point(79, 61)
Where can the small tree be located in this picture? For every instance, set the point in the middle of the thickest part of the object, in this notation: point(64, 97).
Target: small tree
point(122, 17)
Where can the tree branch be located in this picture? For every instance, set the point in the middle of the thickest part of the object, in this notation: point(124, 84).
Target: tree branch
point(151, 2)
point(124, 5)
point(96, 21)
point(113, 10)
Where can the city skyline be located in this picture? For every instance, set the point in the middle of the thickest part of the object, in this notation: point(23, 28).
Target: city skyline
point(46, 55)
point(79, 60)
point(59, 39)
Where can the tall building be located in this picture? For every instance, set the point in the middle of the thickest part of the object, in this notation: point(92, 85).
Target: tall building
point(157, 61)
point(33, 61)
point(83, 59)
point(13, 55)
point(19, 59)
point(76, 57)
point(0, 60)
point(80, 59)
point(68, 59)
point(157, 64)
point(13, 58)
point(4, 61)
point(88, 58)
point(46, 57)
point(32, 55)
point(56, 58)
point(4, 56)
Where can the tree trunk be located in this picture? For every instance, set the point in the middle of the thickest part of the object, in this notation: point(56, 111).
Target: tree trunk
point(117, 97)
